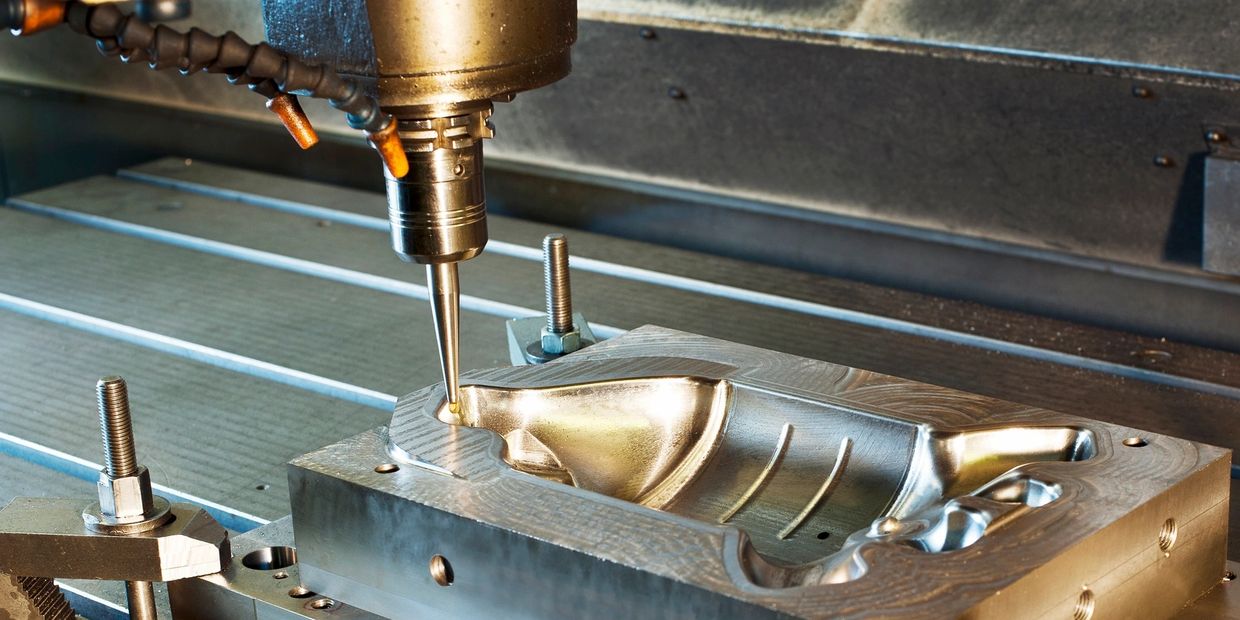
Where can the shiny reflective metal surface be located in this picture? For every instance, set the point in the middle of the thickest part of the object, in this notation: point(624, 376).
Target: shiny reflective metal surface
point(437, 212)
point(496, 47)
point(639, 440)
point(723, 452)
point(244, 590)
point(768, 483)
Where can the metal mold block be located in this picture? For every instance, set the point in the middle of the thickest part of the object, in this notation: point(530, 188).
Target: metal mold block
point(243, 590)
point(672, 475)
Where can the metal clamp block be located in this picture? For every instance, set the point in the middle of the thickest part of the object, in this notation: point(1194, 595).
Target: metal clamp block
point(190, 544)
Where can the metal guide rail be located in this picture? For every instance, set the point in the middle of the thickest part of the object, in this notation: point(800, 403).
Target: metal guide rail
point(260, 318)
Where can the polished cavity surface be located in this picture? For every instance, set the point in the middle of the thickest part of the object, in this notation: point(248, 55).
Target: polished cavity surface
point(790, 471)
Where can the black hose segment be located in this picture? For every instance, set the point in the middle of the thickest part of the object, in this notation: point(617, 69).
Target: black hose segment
point(261, 67)
point(12, 13)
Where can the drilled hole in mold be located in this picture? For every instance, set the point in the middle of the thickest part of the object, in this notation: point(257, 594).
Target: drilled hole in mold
point(1135, 442)
point(300, 592)
point(387, 468)
point(322, 603)
point(441, 570)
point(1167, 535)
point(270, 558)
point(1084, 609)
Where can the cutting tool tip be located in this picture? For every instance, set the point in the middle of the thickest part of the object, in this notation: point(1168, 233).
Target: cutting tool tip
point(445, 297)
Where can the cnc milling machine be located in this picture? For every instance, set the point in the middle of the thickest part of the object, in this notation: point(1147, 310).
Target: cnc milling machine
point(946, 297)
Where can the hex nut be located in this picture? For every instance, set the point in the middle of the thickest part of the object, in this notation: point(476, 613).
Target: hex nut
point(525, 339)
point(559, 344)
point(126, 499)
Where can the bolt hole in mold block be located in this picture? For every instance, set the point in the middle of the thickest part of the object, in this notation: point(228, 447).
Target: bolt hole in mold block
point(799, 487)
point(300, 592)
point(270, 558)
point(1084, 609)
point(441, 570)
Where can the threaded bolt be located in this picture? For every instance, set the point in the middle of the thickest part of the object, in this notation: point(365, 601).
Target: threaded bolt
point(555, 277)
point(120, 457)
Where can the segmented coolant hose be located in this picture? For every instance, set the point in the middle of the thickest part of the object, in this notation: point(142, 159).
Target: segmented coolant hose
point(264, 69)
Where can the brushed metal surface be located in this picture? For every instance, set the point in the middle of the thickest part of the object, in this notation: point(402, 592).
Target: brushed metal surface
point(245, 592)
point(157, 284)
point(1222, 602)
point(193, 414)
point(1094, 502)
point(608, 300)
point(1161, 303)
point(21, 477)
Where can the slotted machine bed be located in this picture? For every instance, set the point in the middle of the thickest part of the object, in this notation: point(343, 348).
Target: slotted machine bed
point(258, 319)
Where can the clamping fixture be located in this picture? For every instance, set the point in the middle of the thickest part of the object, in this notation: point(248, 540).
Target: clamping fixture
point(129, 534)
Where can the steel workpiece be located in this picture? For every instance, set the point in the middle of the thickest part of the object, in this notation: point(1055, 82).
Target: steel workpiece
point(664, 474)
point(1133, 400)
point(261, 582)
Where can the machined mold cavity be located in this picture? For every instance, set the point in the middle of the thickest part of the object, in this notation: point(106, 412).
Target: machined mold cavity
point(783, 469)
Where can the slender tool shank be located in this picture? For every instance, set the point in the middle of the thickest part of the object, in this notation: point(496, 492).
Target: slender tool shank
point(441, 280)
